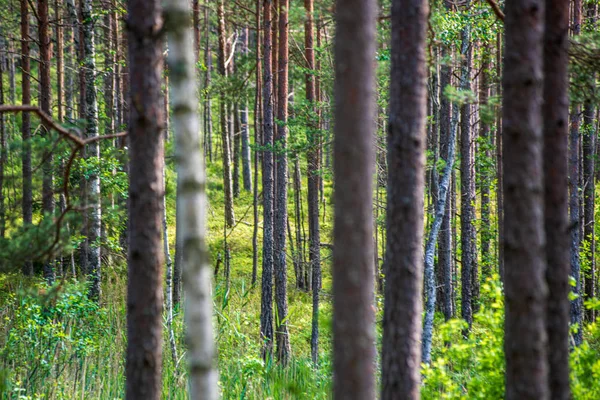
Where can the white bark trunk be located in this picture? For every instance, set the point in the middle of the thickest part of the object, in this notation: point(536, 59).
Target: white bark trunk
point(191, 183)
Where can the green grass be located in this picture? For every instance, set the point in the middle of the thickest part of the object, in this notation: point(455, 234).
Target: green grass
point(56, 344)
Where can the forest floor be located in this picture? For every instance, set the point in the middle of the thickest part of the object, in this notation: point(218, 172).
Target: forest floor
point(56, 344)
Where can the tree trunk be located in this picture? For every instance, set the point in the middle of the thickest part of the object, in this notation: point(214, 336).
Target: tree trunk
point(228, 189)
point(168, 261)
point(576, 311)
point(469, 279)
point(245, 134)
point(237, 145)
point(525, 341)
point(406, 139)
point(444, 263)
point(27, 202)
point(266, 306)
point(144, 289)
point(499, 165)
point(556, 193)
point(445, 195)
point(353, 286)
point(92, 152)
point(257, 142)
point(3, 150)
point(589, 146)
point(207, 101)
point(191, 183)
point(45, 106)
point(485, 165)
point(280, 220)
point(313, 158)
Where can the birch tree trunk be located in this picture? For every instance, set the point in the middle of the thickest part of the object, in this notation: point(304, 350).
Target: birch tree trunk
point(441, 209)
point(191, 181)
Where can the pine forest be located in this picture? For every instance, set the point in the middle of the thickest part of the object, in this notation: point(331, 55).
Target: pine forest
point(285, 199)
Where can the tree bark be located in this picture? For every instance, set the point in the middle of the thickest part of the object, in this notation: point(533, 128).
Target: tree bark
point(313, 157)
point(27, 202)
point(228, 189)
point(207, 80)
point(406, 140)
point(46, 106)
point(499, 164)
point(144, 288)
point(282, 337)
point(576, 311)
point(353, 286)
point(257, 142)
point(525, 341)
point(245, 134)
point(266, 306)
point(444, 263)
point(3, 150)
point(92, 152)
point(556, 193)
point(485, 166)
point(589, 147)
point(191, 182)
point(469, 279)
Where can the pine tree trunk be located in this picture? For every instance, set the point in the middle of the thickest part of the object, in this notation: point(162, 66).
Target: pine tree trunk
point(406, 139)
point(525, 341)
point(228, 189)
point(3, 149)
point(245, 134)
point(266, 306)
point(257, 142)
point(469, 279)
point(27, 202)
point(353, 286)
point(589, 147)
point(46, 106)
point(144, 289)
point(237, 145)
point(499, 167)
point(444, 263)
point(574, 206)
point(556, 193)
point(207, 80)
point(280, 218)
point(313, 158)
point(92, 152)
point(484, 170)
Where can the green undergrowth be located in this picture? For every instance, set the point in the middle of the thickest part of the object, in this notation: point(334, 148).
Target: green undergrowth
point(57, 344)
